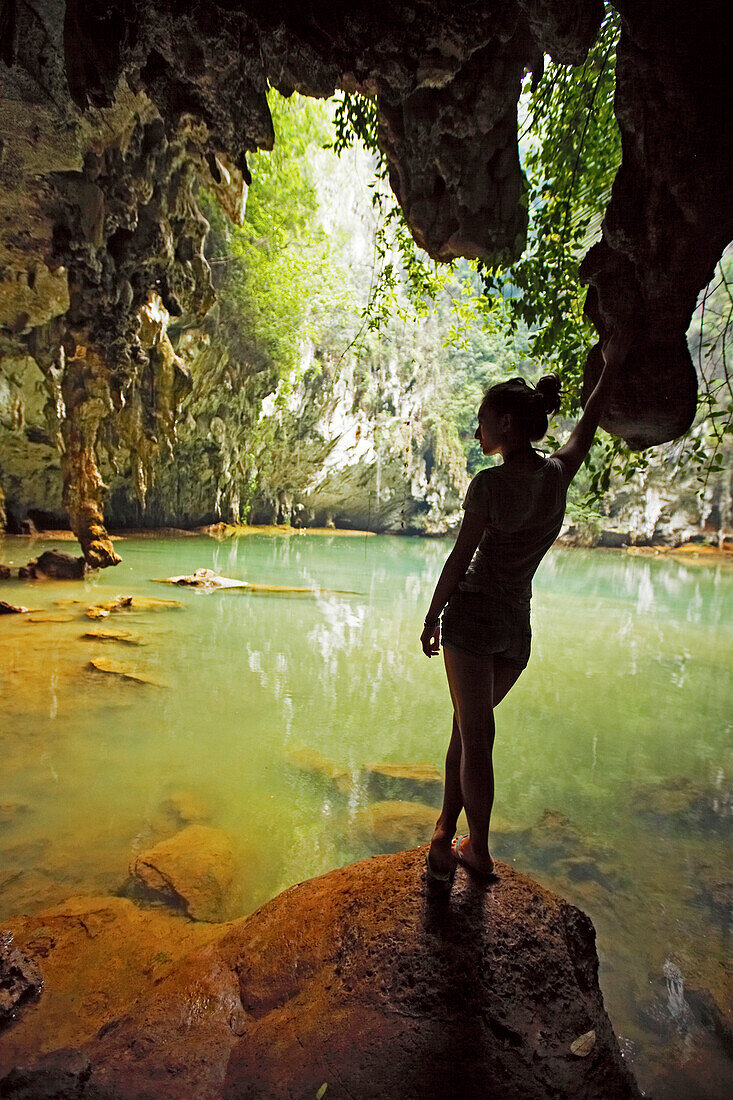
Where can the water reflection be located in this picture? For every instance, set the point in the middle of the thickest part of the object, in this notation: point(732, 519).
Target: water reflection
point(620, 731)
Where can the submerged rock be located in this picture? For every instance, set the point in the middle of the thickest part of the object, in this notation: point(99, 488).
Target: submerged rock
point(130, 603)
point(96, 955)
point(195, 870)
point(123, 672)
point(50, 617)
point(125, 637)
point(11, 811)
point(312, 763)
point(186, 808)
point(54, 565)
point(393, 825)
point(203, 578)
point(360, 982)
point(4, 572)
point(399, 781)
point(20, 980)
point(683, 803)
point(716, 894)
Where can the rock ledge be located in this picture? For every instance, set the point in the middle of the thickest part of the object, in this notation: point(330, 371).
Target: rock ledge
point(366, 981)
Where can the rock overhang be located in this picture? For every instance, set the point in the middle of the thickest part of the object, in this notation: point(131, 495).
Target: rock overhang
point(114, 111)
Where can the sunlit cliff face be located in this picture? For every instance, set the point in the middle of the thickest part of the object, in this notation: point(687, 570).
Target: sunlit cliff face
point(112, 113)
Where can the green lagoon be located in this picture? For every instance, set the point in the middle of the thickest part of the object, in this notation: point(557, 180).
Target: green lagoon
point(614, 756)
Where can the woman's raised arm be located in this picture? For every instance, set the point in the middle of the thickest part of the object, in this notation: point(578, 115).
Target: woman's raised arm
point(572, 453)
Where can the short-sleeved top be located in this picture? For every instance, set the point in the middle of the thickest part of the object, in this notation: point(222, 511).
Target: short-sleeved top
point(523, 510)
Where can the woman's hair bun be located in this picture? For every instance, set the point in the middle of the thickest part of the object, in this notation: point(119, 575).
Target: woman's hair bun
point(549, 387)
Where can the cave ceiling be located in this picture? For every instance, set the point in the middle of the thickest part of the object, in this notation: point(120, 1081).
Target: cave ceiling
point(111, 112)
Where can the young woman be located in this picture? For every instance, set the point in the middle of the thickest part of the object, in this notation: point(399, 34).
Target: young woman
point(513, 514)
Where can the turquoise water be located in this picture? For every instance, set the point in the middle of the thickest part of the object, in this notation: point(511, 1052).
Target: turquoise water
point(621, 724)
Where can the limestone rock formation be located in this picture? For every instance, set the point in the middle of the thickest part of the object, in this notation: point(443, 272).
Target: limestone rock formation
point(54, 565)
point(363, 981)
point(112, 112)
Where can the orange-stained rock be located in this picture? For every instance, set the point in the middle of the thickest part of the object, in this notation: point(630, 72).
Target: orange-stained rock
point(95, 956)
point(124, 637)
point(368, 982)
point(195, 869)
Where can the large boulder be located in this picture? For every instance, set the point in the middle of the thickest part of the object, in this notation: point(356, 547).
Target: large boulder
point(366, 982)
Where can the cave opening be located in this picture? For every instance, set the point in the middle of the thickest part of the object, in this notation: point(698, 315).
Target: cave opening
point(210, 320)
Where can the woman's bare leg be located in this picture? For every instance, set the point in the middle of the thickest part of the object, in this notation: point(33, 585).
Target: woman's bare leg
point(505, 675)
point(445, 828)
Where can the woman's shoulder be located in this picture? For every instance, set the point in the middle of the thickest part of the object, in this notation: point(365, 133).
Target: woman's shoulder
point(486, 475)
point(479, 491)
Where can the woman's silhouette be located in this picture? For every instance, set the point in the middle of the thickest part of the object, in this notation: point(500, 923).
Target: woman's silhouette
point(513, 514)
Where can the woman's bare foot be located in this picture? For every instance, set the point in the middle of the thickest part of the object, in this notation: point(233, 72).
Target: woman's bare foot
point(439, 853)
point(482, 864)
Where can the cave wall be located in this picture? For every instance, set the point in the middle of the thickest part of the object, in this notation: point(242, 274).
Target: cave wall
point(114, 111)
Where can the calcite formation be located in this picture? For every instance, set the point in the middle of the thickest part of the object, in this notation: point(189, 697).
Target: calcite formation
point(113, 111)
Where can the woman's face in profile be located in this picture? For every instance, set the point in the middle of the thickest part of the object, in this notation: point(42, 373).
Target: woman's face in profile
point(488, 432)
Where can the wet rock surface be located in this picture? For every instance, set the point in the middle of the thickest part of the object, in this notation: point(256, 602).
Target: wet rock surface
point(96, 955)
point(20, 980)
point(358, 980)
point(124, 637)
point(11, 609)
point(203, 578)
point(117, 669)
point(130, 604)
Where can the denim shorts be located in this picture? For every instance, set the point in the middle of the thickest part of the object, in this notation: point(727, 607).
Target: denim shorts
point(485, 625)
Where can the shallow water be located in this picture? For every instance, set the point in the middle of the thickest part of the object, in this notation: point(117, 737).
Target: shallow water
point(621, 724)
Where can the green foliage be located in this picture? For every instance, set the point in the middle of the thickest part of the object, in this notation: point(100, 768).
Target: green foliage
point(405, 281)
point(572, 154)
point(571, 150)
point(280, 291)
point(274, 274)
